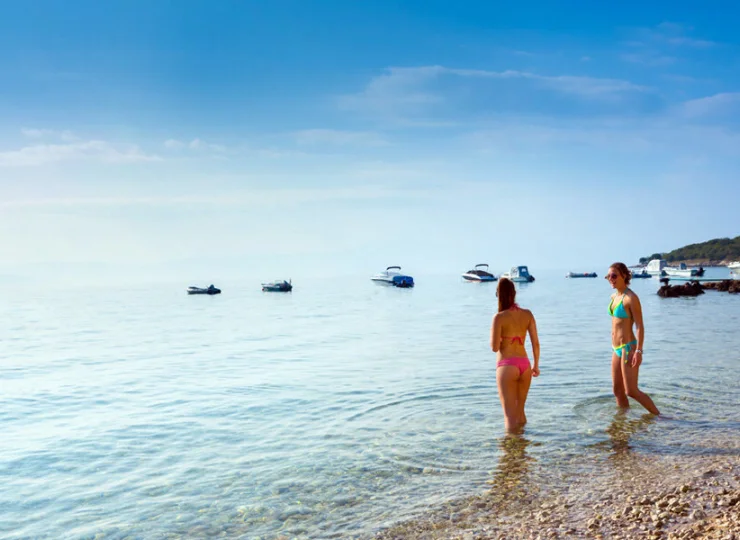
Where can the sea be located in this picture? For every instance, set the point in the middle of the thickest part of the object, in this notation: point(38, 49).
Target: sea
point(333, 411)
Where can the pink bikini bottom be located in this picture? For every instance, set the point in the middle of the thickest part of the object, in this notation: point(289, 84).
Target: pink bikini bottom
point(521, 363)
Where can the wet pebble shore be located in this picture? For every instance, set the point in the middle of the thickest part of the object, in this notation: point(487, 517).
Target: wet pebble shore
point(654, 498)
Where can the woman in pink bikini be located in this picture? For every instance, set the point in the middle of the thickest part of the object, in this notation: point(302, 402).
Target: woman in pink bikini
point(513, 370)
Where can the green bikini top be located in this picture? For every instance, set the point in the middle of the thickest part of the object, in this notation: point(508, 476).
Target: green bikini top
point(619, 312)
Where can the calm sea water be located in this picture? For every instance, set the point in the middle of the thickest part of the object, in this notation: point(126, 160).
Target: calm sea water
point(332, 411)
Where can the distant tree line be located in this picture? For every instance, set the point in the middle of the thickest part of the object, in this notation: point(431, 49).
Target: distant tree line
point(719, 249)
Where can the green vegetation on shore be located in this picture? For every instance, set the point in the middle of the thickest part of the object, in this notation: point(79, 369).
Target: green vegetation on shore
point(711, 252)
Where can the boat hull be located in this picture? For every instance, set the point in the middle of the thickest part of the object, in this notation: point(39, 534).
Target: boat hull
point(282, 286)
point(209, 292)
point(475, 277)
point(675, 272)
point(402, 282)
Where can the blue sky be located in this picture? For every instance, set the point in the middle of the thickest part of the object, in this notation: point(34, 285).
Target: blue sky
point(199, 139)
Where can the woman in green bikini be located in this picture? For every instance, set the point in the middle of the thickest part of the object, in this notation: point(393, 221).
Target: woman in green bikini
point(625, 310)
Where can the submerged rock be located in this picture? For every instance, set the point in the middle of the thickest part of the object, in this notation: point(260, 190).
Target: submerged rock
point(691, 288)
point(728, 285)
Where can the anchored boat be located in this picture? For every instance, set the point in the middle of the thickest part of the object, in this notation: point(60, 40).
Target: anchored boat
point(200, 290)
point(479, 274)
point(393, 276)
point(684, 271)
point(580, 274)
point(519, 274)
point(278, 286)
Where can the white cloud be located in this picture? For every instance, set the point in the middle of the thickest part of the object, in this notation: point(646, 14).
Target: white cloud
point(675, 34)
point(174, 144)
point(723, 104)
point(661, 45)
point(313, 137)
point(101, 151)
point(33, 133)
point(406, 90)
point(649, 58)
point(195, 144)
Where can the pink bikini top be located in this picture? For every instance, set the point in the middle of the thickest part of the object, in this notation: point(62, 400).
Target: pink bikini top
point(515, 339)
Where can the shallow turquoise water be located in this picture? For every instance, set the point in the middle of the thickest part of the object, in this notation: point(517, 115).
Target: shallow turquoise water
point(327, 412)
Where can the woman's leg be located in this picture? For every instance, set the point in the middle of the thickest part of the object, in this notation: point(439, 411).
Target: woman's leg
point(507, 378)
point(522, 390)
point(630, 375)
point(618, 387)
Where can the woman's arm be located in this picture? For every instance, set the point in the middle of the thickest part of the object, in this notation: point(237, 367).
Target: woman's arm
point(636, 309)
point(495, 334)
point(532, 329)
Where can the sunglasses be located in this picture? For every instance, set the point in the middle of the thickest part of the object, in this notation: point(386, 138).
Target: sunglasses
point(611, 276)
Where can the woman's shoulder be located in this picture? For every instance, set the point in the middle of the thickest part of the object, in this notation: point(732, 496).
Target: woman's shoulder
point(527, 312)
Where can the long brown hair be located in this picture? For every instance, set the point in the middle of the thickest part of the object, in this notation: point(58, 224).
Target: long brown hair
point(622, 269)
point(506, 294)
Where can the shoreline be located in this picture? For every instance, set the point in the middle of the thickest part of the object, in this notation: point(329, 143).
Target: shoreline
point(623, 495)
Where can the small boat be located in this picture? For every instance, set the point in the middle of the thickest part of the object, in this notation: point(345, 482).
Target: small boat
point(208, 290)
point(478, 274)
point(683, 271)
point(278, 286)
point(519, 274)
point(734, 269)
point(656, 267)
point(580, 274)
point(393, 276)
point(642, 274)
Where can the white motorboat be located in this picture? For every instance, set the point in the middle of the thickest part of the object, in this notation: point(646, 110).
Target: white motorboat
point(684, 271)
point(518, 274)
point(479, 274)
point(734, 269)
point(656, 267)
point(393, 276)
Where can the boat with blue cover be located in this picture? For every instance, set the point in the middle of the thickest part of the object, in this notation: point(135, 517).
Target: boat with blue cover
point(580, 275)
point(393, 276)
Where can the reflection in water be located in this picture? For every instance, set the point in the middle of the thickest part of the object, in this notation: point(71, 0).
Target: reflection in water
point(511, 480)
point(621, 430)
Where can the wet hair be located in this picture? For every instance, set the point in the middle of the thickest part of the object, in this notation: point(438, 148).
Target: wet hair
point(506, 294)
point(622, 269)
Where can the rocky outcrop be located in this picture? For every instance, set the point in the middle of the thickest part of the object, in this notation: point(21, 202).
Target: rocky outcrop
point(690, 288)
point(728, 285)
point(694, 288)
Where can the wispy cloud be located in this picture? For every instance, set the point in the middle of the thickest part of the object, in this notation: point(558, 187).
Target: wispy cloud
point(318, 137)
point(194, 144)
point(414, 89)
point(253, 197)
point(649, 58)
point(35, 133)
point(661, 45)
point(677, 34)
point(101, 151)
point(723, 105)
